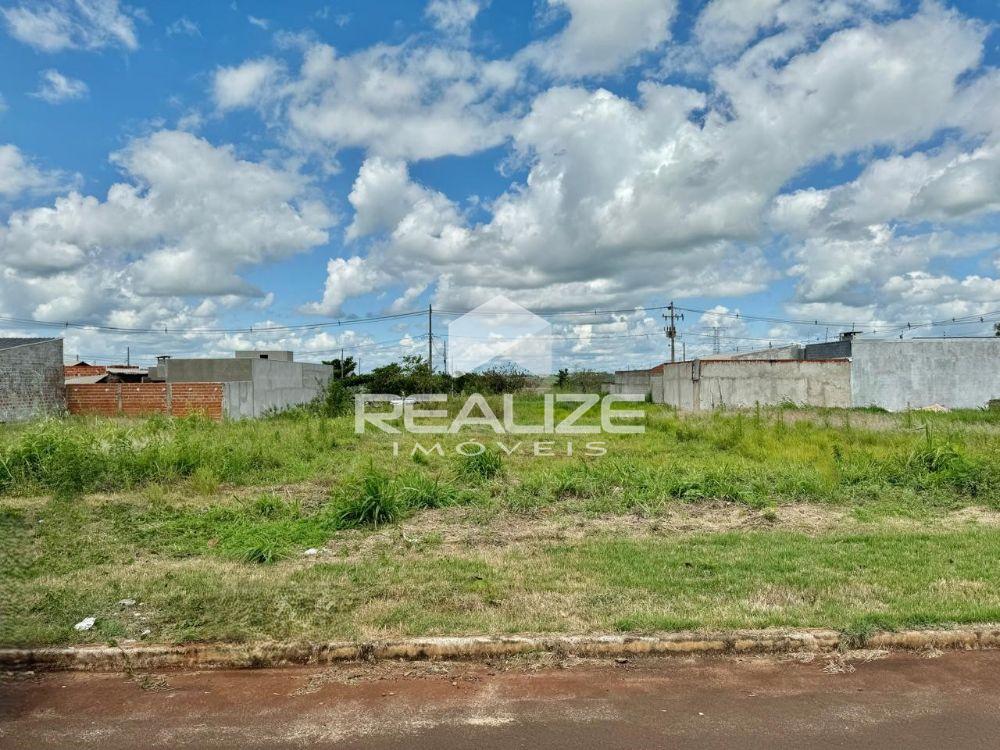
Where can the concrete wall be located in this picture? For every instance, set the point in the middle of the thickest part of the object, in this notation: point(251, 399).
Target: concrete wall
point(677, 385)
point(32, 383)
point(281, 355)
point(792, 351)
point(895, 375)
point(237, 399)
point(253, 386)
point(279, 385)
point(632, 381)
point(206, 370)
point(744, 383)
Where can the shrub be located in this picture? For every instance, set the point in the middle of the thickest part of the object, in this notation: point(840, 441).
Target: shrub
point(499, 379)
point(335, 401)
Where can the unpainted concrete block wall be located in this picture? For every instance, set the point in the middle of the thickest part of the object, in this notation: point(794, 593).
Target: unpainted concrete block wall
point(32, 384)
point(676, 386)
point(632, 381)
point(913, 373)
point(736, 384)
point(745, 383)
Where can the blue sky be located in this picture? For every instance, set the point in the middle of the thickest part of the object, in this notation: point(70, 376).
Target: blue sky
point(192, 166)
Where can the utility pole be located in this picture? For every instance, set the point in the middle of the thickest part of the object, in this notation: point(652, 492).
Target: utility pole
point(128, 356)
point(430, 340)
point(341, 363)
point(446, 356)
point(672, 329)
point(716, 342)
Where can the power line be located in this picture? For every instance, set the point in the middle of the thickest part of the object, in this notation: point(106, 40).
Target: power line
point(245, 329)
point(167, 329)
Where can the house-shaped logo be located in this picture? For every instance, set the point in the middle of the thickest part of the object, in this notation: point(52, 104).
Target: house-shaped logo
point(500, 333)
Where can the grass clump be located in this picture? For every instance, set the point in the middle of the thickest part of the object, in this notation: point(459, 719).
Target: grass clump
point(263, 549)
point(487, 464)
point(422, 491)
point(375, 501)
point(204, 481)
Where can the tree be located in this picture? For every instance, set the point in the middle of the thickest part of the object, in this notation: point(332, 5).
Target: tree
point(406, 378)
point(996, 329)
point(588, 381)
point(342, 368)
point(561, 377)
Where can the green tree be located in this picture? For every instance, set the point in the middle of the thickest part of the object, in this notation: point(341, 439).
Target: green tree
point(342, 368)
point(561, 377)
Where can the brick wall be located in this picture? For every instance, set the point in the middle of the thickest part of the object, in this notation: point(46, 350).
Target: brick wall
point(139, 399)
point(31, 381)
point(187, 398)
point(77, 371)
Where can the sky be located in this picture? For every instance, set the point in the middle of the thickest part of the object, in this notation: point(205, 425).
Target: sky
point(191, 178)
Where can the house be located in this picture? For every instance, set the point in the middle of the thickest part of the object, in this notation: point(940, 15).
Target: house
point(31, 378)
point(250, 384)
point(82, 373)
point(255, 382)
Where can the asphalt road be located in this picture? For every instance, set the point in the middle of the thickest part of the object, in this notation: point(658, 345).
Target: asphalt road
point(903, 700)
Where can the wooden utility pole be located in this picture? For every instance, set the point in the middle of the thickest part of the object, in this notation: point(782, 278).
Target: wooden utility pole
point(430, 340)
point(671, 329)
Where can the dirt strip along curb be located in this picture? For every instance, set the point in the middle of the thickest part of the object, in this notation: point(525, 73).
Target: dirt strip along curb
point(262, 655)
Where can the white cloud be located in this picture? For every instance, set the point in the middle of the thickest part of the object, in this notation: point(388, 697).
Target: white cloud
point(58, 25)
point(243, 85)
point(383, 195)
point(346, 279)
point(684, 181)
point(18, 175)
point(948, 185)
point(56, 88)
point(601, 38)
point(454, 17)
point(399, 101)
point(183, 26)
point(726, 27)
point(260, 23)
point(189, 219)
point(850, 270)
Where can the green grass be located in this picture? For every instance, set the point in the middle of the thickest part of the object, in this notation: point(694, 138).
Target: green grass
point(884, 579)
point(205, 524)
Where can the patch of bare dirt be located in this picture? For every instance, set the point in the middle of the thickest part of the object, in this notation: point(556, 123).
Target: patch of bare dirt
point(456, 529)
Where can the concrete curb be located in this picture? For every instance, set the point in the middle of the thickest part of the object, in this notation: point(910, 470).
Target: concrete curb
point(264, 655)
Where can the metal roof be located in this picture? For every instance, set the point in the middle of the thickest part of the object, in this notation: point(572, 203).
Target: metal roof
point(85, 379)
point(10, 343)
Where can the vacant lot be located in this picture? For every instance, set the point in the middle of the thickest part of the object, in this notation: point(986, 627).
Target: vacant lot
point(846, 519)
